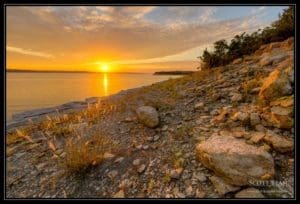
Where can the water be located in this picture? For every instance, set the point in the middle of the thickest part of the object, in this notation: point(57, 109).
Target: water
point(27, 91)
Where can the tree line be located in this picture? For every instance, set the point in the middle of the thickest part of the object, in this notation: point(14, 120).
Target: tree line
point(245, 44)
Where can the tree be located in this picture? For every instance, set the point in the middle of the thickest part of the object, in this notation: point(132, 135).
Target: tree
point(245, 44)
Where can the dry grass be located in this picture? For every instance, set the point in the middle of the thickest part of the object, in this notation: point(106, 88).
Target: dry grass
point(166, 178)
point(177, 158)
point(86, 152)
point(19, 135)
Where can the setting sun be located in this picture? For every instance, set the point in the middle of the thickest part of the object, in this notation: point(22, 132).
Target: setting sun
point(104, 68)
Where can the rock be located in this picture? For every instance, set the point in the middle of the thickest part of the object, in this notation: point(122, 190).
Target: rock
point(259, 128)
point(139, 146)
point(200, 193)
point(73, 105)
point(238, 132)
point(257, 137)
point(236, 97)
point(278, 110)
point(128, 119)
point(290, 72)
point(189, 191)
point(199, 105)
point(93, 100)
point(235, 160)
point(237, 61)
point(221, 186)
point(254, 119)
point(164, 128)
point(119, 194)
point(148, 116)
point(200, 176)
point(249, 193)
point(112, 174)
point(141, 168)
point(108, 155)
point(276, 85)
point(241, 116)
point(280, 117)
point(286, 101)
point(255, 90)
point(279, 143)
point(221, 117)
point(215, 112)
point(136, 162)
point(155, 138)
point(145, 147)
point(269, 60)
point(149, 139)
point(176, 173)
point(119, 160)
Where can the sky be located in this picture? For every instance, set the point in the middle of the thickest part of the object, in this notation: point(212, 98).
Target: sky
point(123, 38)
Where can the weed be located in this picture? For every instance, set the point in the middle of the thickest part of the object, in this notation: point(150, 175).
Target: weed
point(166, 178)
point(86, 152)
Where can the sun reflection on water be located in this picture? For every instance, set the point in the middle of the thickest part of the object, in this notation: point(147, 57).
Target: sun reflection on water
point(105, 84)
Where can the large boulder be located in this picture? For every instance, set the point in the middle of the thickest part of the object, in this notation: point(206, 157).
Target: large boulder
point(237, 162)
point(148, 116)
point(276, 85)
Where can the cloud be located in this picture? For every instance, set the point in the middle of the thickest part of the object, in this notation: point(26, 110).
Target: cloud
point(207, 16)
point(119, 33)
point(28, 52)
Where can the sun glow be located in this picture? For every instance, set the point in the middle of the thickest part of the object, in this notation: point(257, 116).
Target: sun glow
point(104, 68)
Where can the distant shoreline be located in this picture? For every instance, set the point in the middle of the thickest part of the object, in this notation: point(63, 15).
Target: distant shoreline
point(71, 72)
point(90, 72)
point(174, 73)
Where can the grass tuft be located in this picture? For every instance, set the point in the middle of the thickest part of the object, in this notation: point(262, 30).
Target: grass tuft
point(86, 152)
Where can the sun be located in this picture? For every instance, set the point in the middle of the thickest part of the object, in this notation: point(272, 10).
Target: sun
point(104, 68)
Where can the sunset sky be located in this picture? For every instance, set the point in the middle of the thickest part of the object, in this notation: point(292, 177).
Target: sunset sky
point(126, 39)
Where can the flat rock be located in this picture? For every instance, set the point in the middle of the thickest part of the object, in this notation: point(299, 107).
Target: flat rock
point(141, 168)
point(136, 162)
point(249, 193)
point(254, 119)
point(234, 160)
point(119, 194)
point(199, 105)
point(257, 137)
point(276, 85)
point(221, 186)
point(279, 143)
point(93, 100)
point(236, 97)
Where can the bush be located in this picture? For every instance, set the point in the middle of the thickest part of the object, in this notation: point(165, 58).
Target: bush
point(245, 44)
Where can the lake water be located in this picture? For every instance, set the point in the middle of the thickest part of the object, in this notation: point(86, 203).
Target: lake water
point(27, 91)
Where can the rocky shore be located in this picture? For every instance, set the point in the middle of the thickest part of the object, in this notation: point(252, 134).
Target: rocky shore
point(221, 133)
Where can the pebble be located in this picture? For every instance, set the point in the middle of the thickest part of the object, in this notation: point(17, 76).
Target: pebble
point(119, 160)
point(176, 173)
point(112, 174)
point(136, 162)
point(155, 138)
point(141, 168)
point(164, 128)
